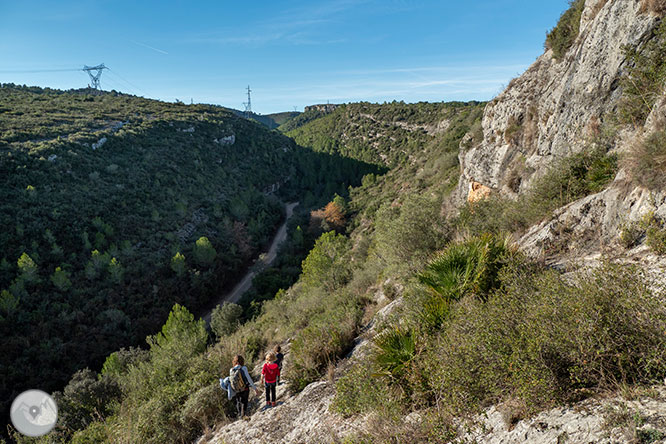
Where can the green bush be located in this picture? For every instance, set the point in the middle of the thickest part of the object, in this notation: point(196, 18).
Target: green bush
point(406, 236)
point(225, 319)
point(569, 179)
point(465, 268)
point(205, 407)
point(326, 265)
point(546, 340)
point(326, 339)
point(647, 161)
point(655, 236)
point(394, 352)
point(564, 34)
point(630, 234)
point(95, 432)
point(359, 390)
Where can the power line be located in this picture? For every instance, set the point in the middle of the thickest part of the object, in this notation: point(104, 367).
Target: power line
point(94, 72)
point(30, 71)
point(128, 82)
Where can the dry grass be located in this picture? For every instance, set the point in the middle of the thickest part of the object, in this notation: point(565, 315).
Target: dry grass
point(653, 6)
point(646, 162)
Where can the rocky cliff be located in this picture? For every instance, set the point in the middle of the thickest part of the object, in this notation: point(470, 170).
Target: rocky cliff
point(556, 105)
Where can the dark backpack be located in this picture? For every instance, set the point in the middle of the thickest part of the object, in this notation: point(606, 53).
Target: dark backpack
point(237, 379)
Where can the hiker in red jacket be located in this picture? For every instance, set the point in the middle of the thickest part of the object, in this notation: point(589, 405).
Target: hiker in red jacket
point(269, 375)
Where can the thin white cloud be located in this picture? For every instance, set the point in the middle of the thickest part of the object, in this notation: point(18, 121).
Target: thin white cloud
point(296, 26)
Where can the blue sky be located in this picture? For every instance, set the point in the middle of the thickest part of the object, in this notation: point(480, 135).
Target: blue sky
point(291, 53)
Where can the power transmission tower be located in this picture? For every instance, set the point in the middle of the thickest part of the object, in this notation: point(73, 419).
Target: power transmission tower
point(94, 78)
point(248, 104)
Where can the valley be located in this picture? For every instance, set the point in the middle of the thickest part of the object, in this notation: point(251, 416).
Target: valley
point(434, 272)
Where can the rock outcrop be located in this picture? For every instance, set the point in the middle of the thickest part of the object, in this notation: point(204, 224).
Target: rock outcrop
point(556, 105)
point(599, 421)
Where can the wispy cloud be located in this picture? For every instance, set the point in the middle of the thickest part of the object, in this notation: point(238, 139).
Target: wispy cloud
point(150, 47)
point(295, 26)
point(421, 83)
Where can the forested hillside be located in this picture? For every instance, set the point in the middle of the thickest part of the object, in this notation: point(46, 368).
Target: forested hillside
point(115, 207)
point(480, 263)
point(387, 134)
point(321, 314)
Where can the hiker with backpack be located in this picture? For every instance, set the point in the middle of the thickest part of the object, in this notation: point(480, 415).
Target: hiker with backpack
point(269, 374)
point(278, 360)
point(238, 384)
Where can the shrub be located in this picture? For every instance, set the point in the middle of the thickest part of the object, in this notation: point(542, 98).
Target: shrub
point(86, 399)
point(405, 237)
point(630, 234)
point(322, 342)
point(204, 407)
point(225, 319)
point(646, 162)
point(325, 265)
point(655, 237)
point(95, 432)
point(542, 339)
point(395, 349)
point(469, 267)
point(564, 34)
point(359, 390)
point(567, 180)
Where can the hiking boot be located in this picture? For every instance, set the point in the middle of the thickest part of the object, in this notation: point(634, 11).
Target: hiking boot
point(268, 404)
point(273, 403)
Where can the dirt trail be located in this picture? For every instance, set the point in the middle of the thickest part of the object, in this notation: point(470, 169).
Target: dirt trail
point(265, 260)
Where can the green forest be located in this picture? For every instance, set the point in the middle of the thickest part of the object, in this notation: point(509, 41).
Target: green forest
point(97, 270)
point(419, 310)
point(479, 324)
point(115, 207)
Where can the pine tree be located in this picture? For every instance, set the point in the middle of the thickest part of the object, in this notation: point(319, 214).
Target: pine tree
point(204, 253)
point(60, 279)
point(27, 268)
point(178, 264)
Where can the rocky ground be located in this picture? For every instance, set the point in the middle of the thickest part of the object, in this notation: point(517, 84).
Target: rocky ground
point(635, 417)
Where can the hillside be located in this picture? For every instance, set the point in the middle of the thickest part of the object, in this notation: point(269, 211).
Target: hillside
point(386, 135)
point(272, 121)
point(117, 207)
point(300, 313)
point(497, 275)
point(524, 304)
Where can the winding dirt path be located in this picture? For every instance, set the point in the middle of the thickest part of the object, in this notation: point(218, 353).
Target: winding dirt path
point(264, 260)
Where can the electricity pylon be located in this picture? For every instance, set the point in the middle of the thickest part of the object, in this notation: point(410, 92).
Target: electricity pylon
point(94, 78)
point(248, 104)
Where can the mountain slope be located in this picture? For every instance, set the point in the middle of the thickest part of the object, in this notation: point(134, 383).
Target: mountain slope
point(480, 325)
point(115, 207)
point(386, 135)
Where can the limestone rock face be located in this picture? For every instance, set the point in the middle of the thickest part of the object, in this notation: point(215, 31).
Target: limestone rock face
point(550, 110)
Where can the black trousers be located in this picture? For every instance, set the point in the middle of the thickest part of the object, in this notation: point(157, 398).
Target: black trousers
point(241, 402)
point(270, 391)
